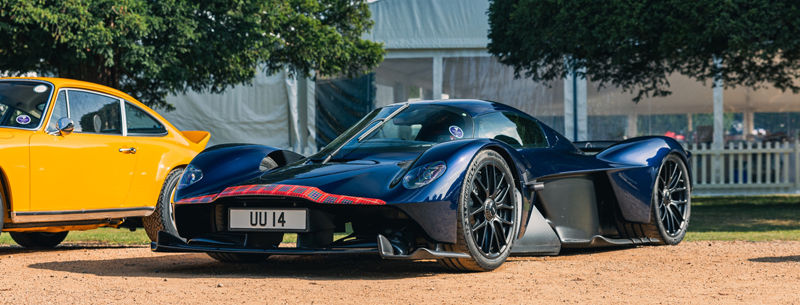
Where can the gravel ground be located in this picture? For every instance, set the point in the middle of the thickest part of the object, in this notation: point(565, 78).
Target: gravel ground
point(692, 272)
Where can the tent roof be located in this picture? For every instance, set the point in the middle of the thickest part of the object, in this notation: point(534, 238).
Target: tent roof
point(430, 24)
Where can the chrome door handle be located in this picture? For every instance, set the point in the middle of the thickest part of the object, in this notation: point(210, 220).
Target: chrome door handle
point(131, 150)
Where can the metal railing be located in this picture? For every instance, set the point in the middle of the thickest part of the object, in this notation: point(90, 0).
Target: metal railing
point(746, 168)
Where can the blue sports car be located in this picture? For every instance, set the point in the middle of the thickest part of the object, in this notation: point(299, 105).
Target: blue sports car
point(466, 182)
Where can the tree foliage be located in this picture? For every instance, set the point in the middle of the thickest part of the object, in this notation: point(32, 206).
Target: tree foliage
point(150, 49)
point(637, 44)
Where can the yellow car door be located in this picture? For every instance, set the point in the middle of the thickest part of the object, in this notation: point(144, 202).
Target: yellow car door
point(88, 169)
point(152, 155)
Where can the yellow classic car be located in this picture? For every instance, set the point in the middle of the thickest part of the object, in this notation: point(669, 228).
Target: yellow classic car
point(78, 156)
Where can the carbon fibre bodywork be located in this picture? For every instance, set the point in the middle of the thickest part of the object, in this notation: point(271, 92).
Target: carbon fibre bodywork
point(587, 200)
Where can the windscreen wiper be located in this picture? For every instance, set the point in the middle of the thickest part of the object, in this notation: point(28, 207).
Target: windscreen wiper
point(368, 132)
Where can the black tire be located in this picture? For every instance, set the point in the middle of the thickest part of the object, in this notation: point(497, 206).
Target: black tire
point(38, 239)
point(2, 205)
point(238, 257)
point(162, 218)
point(477, 209)
point(671, 203)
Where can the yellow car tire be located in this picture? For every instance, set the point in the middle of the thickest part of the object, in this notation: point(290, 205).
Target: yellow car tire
point(163, 218)
point(38, 239)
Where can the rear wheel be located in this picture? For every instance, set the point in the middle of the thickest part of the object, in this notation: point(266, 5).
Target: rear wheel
point(671, 203)
point(38, 239)
point(163, 218)
point(487, 215)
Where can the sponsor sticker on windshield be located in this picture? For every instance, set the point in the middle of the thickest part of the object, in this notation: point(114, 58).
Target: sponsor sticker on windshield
point(40, 88)
point(456, 132)
point(23, 119)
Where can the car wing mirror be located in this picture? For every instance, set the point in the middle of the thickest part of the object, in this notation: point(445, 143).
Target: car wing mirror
point(65, 126)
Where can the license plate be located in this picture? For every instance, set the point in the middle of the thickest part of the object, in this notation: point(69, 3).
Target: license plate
point(266, 219)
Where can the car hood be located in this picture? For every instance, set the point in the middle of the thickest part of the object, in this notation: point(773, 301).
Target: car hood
point(372, 178)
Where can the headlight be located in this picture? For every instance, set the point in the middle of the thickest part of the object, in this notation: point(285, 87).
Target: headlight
point(190, 175)
point(424, 175)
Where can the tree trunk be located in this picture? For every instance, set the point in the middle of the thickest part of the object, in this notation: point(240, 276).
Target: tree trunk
point(92, 72)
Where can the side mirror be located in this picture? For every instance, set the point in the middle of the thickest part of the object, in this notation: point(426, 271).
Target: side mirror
point(65, 126)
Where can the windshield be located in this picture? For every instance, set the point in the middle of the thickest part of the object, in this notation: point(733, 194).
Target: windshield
point(23, 103)
point(414, 129)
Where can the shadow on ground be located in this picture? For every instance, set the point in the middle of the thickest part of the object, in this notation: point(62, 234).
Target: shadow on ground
point(201, 266)
point(14, 249)
point(585, 251)
point(777, 259)
point(322, 267)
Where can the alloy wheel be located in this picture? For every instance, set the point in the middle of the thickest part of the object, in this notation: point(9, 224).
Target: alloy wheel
point(490, 209)
point(672, 196)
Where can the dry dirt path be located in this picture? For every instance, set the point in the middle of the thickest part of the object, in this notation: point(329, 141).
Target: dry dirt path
point(693, 272)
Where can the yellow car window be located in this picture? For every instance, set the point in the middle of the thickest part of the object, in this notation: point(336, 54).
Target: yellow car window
point(21, 103)
point(59, 111)
point(95, 113)
point(139, 122)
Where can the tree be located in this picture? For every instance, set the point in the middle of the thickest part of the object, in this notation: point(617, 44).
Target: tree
point(637, 44)
point(150, 49)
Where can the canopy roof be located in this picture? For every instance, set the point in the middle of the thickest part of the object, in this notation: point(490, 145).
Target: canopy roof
point(430, 24)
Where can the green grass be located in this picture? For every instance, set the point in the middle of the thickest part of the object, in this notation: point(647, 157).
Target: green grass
point(752, 218)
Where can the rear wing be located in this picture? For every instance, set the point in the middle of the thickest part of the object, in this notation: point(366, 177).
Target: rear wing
point(199, 139)
point(593, 147)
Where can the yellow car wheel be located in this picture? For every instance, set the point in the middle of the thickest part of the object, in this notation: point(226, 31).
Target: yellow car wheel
point(163, 218)
point(38, 239)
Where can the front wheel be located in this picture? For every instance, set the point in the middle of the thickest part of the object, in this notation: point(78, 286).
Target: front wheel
point(487, 215)
point(163, 218)
point(38, 239)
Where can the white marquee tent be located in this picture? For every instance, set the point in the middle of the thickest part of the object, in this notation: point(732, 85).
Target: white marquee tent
point(276, 110)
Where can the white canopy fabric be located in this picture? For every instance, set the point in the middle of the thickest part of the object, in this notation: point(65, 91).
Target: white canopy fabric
point(280, 111)
point(263, 113)
point(430, 24)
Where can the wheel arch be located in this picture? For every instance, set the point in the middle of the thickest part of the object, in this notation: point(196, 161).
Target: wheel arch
point(5, 192)
point(161, 179)
point(169, 170)
point(633, 186)
point(512, 164)
point(458, 155)
point(518, 166)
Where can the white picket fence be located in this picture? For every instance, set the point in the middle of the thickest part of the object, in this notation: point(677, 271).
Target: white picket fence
point(746, 169)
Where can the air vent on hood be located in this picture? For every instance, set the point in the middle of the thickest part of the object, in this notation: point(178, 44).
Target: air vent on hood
point(405, 164)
